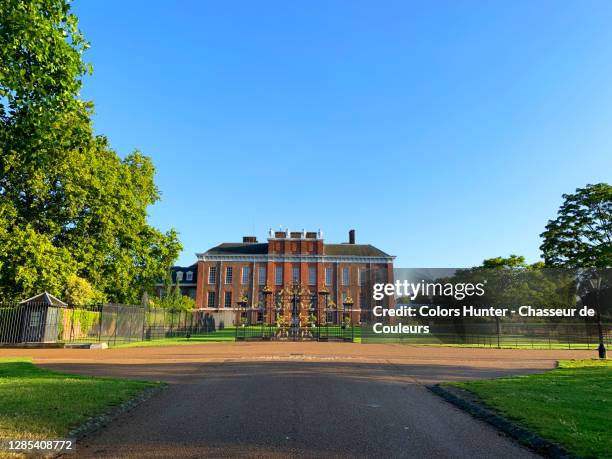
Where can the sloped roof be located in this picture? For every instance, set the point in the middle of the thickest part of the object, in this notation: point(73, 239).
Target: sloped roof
point(354, 250)
point(45, 298)
point(241, 248)
point(185, 269)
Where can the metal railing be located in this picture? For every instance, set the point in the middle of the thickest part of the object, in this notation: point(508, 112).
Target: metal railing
point(314, 332)
point(41, 323)
point(44, 323)
point(503, 335)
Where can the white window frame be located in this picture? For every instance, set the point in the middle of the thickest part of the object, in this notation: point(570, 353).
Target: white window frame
point(361, 275)
point(262, 279)
point(189, 276)
point(278, 275)
point(179, 276)
point(229, 275)
point(346, 276)
point(329, 275)
point(212, 274)
point(295, 270)
point(214, 297)
point(312, 275)
point(246, 273)
point(35, 318)
point(227, 294)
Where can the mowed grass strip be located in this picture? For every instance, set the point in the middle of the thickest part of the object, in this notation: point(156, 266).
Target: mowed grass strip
point(216, 337)
point(36, 403)
point(228, 334)
point(570, 405)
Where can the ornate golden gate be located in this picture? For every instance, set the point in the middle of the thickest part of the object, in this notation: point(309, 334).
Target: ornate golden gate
point(294, 314)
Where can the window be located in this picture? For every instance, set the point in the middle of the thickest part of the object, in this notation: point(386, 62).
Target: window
point(345, 276)
point(295, 274)
point(262, 275)
point(362, 276)
point(312, 275)
point(229, 275)
point(328, 276)
point(246, 272)
point(179, 276)
point(35, 318)
point(211, 299)
point(212, 275)
point(279, 275)
point(362, 300)
point(227, 300)
point(189, 276)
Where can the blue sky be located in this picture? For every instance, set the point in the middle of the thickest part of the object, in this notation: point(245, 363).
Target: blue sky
point(443, 132)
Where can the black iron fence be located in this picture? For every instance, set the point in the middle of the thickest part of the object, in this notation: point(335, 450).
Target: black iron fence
point(117, 323)
point(110, 323)
point(501, 334)
point(313, 332)
point(45, 323)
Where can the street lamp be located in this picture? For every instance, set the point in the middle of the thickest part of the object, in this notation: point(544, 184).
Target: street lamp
point(596, 285)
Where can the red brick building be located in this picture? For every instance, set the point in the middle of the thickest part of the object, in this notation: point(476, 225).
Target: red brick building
point(235, 270)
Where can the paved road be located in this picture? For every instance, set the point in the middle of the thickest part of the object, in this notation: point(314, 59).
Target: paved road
point(298, 400)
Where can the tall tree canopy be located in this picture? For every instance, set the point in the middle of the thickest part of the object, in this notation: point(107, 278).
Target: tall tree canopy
point(69, 205)
point(581, 235)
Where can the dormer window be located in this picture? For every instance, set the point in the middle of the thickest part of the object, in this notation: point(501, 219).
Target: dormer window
point(179, 276)
point(189, 276)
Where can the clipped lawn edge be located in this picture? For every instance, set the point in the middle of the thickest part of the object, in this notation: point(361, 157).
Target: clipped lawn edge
point(102, 420)
point(472, 404)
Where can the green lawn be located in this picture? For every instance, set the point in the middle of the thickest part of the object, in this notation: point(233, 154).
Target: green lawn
point(571, 405)
point(36, 403)
point(227, 334)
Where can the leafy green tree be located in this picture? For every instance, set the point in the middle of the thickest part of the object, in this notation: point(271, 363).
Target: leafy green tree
point(80, 292)
point(512, 281)
point(513, 261)
point(581, 235)
point(172, 298)
point(68, 204)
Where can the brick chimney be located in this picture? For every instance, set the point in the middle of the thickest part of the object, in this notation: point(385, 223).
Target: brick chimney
point(352, 236)
point(249, 239)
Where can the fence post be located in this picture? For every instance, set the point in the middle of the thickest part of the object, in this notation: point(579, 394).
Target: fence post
point(588, 337)
point(498, 327)
point(144, 321)
point(100, 323)
point(116, 320)
point(71, 323)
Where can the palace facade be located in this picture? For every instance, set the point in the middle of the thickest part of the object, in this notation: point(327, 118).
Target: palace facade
point(233, 275)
